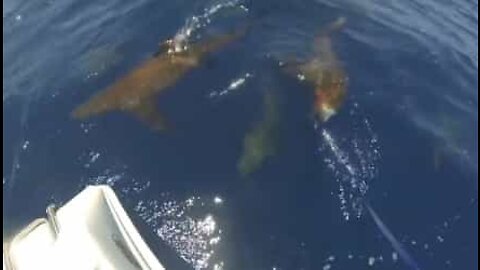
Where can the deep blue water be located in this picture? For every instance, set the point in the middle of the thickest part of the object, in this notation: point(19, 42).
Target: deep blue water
point(407, 132)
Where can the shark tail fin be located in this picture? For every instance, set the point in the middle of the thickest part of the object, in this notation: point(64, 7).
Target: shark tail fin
point(334, 26)
point(322, 42)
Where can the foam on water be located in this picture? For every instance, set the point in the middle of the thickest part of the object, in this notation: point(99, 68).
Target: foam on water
point(200, 21)
point(233, 86)
point(91, 158)
point(352, 158)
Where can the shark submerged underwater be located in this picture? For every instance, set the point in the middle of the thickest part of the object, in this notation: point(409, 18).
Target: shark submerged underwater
point(261, 140)
point(324, 73)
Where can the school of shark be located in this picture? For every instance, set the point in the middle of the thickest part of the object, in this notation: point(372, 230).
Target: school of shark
point(138, 91)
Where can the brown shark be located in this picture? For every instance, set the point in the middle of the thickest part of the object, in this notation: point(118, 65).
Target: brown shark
point(324, 73)
point(135, 92)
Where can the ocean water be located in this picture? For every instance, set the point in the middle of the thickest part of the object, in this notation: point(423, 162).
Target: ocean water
point(390, 182)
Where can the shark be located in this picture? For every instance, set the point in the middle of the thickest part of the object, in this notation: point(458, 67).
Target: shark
point(261, 140)
point(323, 72)
point(136, 92)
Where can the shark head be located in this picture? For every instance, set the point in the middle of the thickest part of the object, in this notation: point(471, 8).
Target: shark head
point(330, 94)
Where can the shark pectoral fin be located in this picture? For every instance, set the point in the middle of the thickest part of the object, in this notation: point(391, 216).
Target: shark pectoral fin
point(148, 113)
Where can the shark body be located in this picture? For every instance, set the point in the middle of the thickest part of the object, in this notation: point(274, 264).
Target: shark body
point(324, 73)
point(136, 92)
point(261, 141)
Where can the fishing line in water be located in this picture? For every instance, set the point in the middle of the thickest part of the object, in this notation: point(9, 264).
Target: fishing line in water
point(396, 245)
point(354, 165)
point(353, 160)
